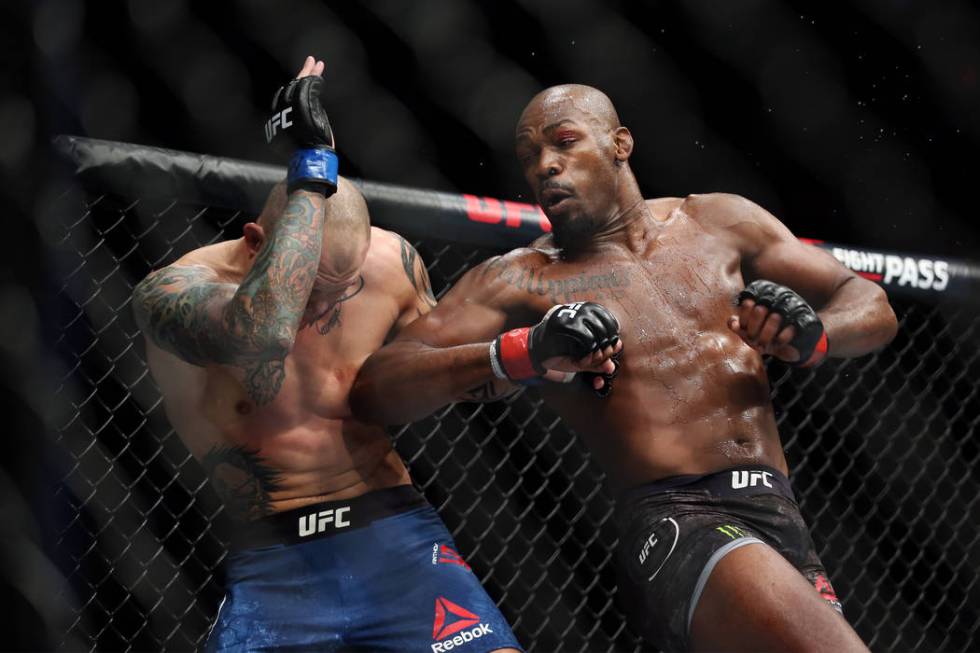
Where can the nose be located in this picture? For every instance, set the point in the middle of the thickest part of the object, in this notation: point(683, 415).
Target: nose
point(549, 165)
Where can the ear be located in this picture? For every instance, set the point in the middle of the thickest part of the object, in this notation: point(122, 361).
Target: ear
point(623, 140)
point(254, 237)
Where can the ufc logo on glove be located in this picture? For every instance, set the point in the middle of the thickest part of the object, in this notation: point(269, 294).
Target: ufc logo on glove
point(276, 121)
point(570, 311)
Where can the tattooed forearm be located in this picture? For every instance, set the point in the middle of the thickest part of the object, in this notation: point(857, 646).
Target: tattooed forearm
point(490, 391)
point(187, 311)
point(269, 303)
point(243, 481)
point(416, 272)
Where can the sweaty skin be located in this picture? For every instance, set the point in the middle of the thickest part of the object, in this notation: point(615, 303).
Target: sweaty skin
point(692, 395)
point(268, 417)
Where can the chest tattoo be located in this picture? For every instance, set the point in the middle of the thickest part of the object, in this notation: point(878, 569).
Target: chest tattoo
point(330, 317)
point(565, 289)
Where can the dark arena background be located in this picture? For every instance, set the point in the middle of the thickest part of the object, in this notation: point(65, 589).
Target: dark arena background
point(856, 125)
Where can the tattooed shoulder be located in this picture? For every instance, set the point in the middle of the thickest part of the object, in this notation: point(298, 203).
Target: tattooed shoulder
point(172, 307)
point(414, 269)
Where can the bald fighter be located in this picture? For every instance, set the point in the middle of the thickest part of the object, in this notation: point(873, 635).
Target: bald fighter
point(666, 307)
point(254, 344)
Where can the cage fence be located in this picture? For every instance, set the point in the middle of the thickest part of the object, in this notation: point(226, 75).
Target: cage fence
point(883, 453)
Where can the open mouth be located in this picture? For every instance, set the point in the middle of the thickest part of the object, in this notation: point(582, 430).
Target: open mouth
point(552, 198)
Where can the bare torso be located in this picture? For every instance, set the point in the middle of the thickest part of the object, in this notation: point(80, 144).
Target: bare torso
point(691, 397)
point(304, 446)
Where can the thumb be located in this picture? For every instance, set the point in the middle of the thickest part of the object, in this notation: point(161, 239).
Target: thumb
point(557, 376)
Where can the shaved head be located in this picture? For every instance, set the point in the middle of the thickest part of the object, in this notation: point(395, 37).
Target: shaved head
point(575, 156)
point(594, 105)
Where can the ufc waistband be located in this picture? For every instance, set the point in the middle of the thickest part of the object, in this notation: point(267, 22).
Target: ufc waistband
point(326, 519)
point(740, 481)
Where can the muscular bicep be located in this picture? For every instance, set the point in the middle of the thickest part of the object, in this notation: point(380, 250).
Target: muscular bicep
point(770, 251)
point(183, 310)
point(810, 271)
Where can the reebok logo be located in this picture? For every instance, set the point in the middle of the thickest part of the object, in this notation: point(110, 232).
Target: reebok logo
point(275, 122)
point(316, 522)
point(452, 633)
point(443, 554)
point(750, 479)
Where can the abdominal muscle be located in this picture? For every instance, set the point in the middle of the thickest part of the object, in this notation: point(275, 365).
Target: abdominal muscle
point(692, 408)
point(258, 474)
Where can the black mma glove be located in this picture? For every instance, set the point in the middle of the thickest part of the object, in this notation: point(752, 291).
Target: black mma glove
point(572, 330)
point(299, 124)
point(810, 338)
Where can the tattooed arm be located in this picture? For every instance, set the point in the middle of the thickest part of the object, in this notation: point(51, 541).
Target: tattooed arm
point(188, 311)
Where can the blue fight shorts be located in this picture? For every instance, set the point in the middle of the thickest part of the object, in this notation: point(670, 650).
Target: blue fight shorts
point(378, 572)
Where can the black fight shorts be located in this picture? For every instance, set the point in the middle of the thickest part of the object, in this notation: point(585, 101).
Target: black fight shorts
point(674, 531)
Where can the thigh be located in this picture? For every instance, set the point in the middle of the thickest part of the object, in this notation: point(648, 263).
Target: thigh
point(754, 600)
point(418, 593)
point(280, 597)
point(661, 557)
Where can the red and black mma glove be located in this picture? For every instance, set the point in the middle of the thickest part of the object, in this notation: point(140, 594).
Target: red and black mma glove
point(810, 338)
point(299, 125)
point(567, 330)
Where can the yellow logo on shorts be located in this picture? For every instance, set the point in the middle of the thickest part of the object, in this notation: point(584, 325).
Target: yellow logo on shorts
point(733, 532)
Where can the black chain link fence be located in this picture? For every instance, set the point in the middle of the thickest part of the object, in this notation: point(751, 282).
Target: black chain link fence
point(883, 451)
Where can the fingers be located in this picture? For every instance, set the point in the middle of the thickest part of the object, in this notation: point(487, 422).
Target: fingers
point(752, 320)
point(598, 361)
point(601, 360)
point(770, 328)
point(766, 336)
point(784, 336)
point(556, 376)
point(310, 67)
point(307, 68)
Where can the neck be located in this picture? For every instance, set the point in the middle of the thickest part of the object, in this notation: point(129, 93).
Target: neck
point(626, 224)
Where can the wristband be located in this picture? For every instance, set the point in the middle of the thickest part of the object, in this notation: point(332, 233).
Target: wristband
point(317, 166)
point(498, 371)
point(819, 352)
point(513, 355)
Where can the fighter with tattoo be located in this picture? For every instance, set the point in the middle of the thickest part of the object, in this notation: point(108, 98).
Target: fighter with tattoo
point(674, 301)
point(254, 343)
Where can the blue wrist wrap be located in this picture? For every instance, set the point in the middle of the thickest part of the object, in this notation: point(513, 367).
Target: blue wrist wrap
point(313, 166)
